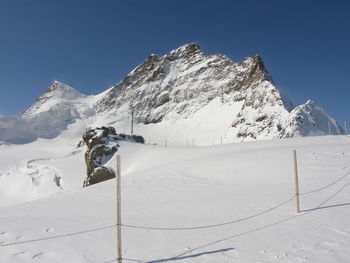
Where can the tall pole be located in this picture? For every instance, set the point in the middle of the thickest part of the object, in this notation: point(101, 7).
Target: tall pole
point(345, 128)
point(132, 121)
point(296, 181)
point(329, 128)
point(119, 231)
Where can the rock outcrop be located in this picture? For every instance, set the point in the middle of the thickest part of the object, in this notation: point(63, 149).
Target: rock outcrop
point(102, 144)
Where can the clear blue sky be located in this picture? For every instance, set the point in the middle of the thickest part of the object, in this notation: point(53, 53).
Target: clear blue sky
point(93, 44)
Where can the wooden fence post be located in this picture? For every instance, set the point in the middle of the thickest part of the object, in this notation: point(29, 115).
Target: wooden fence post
point(345, 128)
point(296, 181)
point(118, 196)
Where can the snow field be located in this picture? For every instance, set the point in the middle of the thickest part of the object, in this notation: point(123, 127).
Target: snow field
point(246, 186)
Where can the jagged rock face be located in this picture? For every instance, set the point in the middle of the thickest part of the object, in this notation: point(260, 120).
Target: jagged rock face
point(102, 144)
point(263, 112)
point(180, 83)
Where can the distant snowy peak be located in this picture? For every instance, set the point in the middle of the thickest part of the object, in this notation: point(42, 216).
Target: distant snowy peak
point(62, 90)
point(57, 92)
point(309, 120)
point(59, 106)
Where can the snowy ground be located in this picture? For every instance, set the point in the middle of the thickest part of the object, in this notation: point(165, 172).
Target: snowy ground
point(223, 203)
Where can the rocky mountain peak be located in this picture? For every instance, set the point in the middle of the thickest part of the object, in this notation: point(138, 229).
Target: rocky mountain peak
point(257, 67)
point(57, 85)
point(185, 51)
point(59, 89)
point(56, 91)
point(310, 103)
point(148, 65)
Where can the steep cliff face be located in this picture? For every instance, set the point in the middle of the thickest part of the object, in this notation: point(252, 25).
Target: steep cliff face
point(185, 80)
point(184, 91)
point(179, 84)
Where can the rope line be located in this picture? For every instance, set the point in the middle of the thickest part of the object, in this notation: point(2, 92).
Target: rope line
point(133, 260)
point(196, 227)
point(234, 221)
point(234, 236)
point(209, 226)
point(190, 251)
point(148, 228)
point(124, 259)
point(57, 236)
point(329, 198)
point(324, 187)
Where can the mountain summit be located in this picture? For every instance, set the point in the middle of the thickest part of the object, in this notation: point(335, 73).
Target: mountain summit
point(239, 98)
point(181, 95)
point(57, 91)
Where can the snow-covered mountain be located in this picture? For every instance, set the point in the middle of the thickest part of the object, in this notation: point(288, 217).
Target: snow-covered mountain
point(309, 119)
point(52, 112)
point(219, 206)
point(184, 94)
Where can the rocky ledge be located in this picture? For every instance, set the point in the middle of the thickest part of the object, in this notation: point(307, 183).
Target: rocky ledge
point(102, 144)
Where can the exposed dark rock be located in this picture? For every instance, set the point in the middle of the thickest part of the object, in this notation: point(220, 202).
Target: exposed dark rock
point(138, 138)
point(102, 144)
point(100, 174)
point(261, 118)
point(80, 144)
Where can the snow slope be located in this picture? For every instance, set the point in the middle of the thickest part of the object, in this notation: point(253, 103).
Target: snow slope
point(245, 187)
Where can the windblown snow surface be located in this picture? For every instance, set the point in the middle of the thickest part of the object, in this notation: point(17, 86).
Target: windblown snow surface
point(217, 203)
